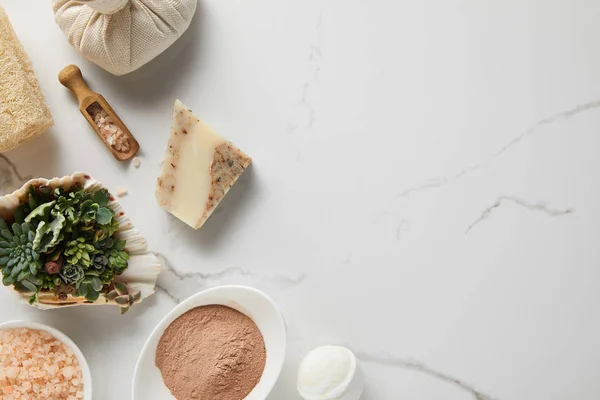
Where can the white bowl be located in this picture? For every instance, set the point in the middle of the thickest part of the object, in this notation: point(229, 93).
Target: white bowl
point(85, 369)
point(147, 380)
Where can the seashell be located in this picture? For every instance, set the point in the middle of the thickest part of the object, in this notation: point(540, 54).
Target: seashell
point(143, 269)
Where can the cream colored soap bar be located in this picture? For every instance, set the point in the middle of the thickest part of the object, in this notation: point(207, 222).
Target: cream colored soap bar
point(198, 170)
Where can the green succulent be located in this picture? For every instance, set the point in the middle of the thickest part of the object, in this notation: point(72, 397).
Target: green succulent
point(64, 241)
point(104, 232)
point(66, 204)
point(122, 296)
point(104, 244)
point(72, 274)
point(41, 213)
point(89, 287)
point(78, 252)
point(118, 257)
point(93, 209)
point(49, 234)
point(50, 281)
point(18, 259)
point(99, 264)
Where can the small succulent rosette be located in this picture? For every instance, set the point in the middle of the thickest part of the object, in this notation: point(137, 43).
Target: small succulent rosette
point(67, 242)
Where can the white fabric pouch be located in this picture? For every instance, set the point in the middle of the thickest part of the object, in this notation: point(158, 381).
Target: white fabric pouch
point(122, 35)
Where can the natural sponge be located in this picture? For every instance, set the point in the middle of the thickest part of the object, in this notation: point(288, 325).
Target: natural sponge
point(24, 114)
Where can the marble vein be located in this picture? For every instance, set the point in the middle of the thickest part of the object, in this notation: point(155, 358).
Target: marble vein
point(538, 207)
point(304, 108)
point(10, 177)
point(401, 229)
point(387, 360)
point(434, 183)
point(311, 109)
point(564, 115)
point(169, 281)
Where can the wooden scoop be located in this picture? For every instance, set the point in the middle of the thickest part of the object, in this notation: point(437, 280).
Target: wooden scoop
point(105, 121)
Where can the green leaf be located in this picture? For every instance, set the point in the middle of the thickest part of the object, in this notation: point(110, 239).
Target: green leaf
point(16, 228)
point(20, 214)
point(101, 197)
point(112, 295)
point(17, 270)
point(122, 300)
point(41, 213)
point(29, 286)
point(96, 284)
point(8, 280)
point(6, 234)
point(83, 290)
point(47, 235)
point(23, 274)
point(32, 200)
point(35, 280)
point(26, 228)
point(104, 216)
point(121, 288)
point(137, 296)
point(92, 295)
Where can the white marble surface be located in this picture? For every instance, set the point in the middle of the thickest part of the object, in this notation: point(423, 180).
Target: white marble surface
point(424, 189)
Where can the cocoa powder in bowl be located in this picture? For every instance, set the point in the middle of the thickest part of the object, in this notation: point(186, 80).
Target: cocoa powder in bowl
point(211, 353)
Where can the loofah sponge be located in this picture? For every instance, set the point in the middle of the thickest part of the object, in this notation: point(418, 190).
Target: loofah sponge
point(24, 114)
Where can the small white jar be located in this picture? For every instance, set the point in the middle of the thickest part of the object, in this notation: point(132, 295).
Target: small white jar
point(330, 373)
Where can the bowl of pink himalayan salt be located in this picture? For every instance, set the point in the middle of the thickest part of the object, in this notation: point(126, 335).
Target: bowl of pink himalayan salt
point(40, 362)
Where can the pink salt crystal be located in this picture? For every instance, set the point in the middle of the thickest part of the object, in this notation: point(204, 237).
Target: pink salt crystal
point(32, 381)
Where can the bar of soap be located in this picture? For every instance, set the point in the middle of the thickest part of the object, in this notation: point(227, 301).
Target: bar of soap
point(199, 168)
